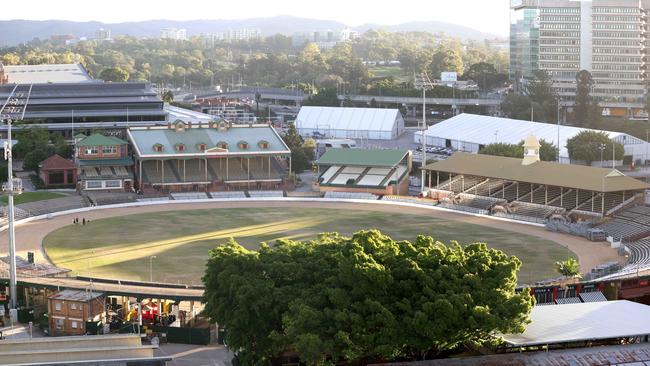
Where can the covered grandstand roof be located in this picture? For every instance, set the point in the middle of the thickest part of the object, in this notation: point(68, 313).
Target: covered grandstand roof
point(485, 130)
point(555, 324)
point(97, 139)
point(541, 172)
point(161, 142)
point(42, 74)
point(341, 122)
point(361, 157)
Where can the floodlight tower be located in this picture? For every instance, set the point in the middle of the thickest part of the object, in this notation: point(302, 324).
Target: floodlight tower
point(14, 107)
point(424, 83)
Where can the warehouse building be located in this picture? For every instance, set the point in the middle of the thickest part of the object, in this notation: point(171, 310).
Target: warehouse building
point(350, 123)
point(469, 133)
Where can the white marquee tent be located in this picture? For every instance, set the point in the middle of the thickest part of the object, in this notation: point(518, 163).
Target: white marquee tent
point(469, 132)
point(350, 123)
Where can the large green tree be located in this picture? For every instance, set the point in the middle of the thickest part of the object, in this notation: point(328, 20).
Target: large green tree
point(361, 298)
point(543, 97)
point(301, 155)
point(586, 146)
point(547, 150)
point(517, 106)
point(116, 74)
point(585, 107)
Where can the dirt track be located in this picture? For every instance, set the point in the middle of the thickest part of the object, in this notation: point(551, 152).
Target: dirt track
point(29, 236)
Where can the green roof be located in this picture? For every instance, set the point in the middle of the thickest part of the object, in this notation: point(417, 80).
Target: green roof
point(106, 162)
point(361, 157)
point(97, 139)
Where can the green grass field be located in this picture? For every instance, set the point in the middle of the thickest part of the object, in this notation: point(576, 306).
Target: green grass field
point(386, 71)
point(120, 247)
point(32, 197)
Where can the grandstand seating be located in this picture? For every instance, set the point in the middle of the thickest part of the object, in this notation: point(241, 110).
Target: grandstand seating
point(194, 171)
point(189, 196)
point(329, 173)
point(351, 195)
point(480, 202)
point(511, 191)
point(595, 296)
point(236, 169)
point(152, 199)
point(58, 204)
point(487, 188)
point(568, 300)
point(260, 169)
point(533, 210)
point(409, 199)
point(266, 194)
point(224, 195)
point(113, 198)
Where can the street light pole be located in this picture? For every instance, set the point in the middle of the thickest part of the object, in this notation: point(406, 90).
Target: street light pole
point(602, 149)
point(10, 205)
point(151, 258)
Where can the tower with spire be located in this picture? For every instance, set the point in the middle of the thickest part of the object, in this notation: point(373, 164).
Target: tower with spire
point(531, 150)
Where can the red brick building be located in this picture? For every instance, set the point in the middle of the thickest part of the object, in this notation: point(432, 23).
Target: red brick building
point(57, 171)
point(104, 163)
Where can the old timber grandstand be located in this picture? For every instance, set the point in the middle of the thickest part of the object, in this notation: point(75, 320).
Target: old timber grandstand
point(530, 189)
point(216, 156)
point(381, 172)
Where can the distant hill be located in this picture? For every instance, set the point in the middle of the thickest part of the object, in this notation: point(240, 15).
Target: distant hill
point(13, 32)
point(453, 30)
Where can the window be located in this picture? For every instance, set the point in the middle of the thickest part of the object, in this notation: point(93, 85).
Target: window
point(73, 306)
point(109, 149)
point(263, 144)
point(179, 147)
point(73, 324)
point(92, 150)
point(93, 184)
point(113, 184)
point(81, 306)
point(243, 145)
point(222, 145)
point(57, 306)
point(158, 147)
point(59, 323)
point(201, 147)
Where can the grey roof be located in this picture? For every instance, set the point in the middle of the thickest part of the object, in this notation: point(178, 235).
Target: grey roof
point(51, 73)
point(75, 295)
point(144, 139)
point(362, 157)
point(582, 322)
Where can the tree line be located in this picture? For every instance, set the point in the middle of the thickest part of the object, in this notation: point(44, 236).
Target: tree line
point(272, 61)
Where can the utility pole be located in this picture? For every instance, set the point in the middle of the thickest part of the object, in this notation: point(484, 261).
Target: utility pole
point(423, 82)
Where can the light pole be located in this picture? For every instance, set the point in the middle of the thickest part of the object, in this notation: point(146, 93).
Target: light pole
point(11, 189)
point(151, 258)
point(424, 82)
point(602, 149)
point(645, 161)
point(558, 129)
point(496, 136)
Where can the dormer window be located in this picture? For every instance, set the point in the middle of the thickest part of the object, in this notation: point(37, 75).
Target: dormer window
point(180, 126)
point(201, 147)
point(222, 145)
point(179, 147)
point(158, 148)
point(263, 144)
point(243, 145)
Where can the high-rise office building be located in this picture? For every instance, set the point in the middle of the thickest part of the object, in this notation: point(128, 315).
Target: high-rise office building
point(605, 37)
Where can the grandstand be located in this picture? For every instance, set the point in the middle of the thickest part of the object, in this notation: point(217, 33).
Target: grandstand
point(537, 189)
point(209, 157)
point(371, 171)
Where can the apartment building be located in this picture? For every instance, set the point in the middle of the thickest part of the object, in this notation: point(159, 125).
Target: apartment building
point(606, 37)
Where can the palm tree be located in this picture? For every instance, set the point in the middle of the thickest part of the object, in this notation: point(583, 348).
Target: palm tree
point(569, 268)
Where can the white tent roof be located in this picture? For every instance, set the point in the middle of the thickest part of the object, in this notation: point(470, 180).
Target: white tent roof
point(555, 324)
point(485, 130)
point(341, 118)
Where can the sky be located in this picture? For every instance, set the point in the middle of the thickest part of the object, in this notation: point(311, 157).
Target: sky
point(485, 15)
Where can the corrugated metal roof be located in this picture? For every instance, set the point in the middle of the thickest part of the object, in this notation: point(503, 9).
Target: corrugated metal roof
point(358, 119)
point(52, 73)
point(75, 295)
point(485, 130)
point(360, 157)
point(542, 172)
point(97, 139)
point(144, 140)
point(583, 321)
